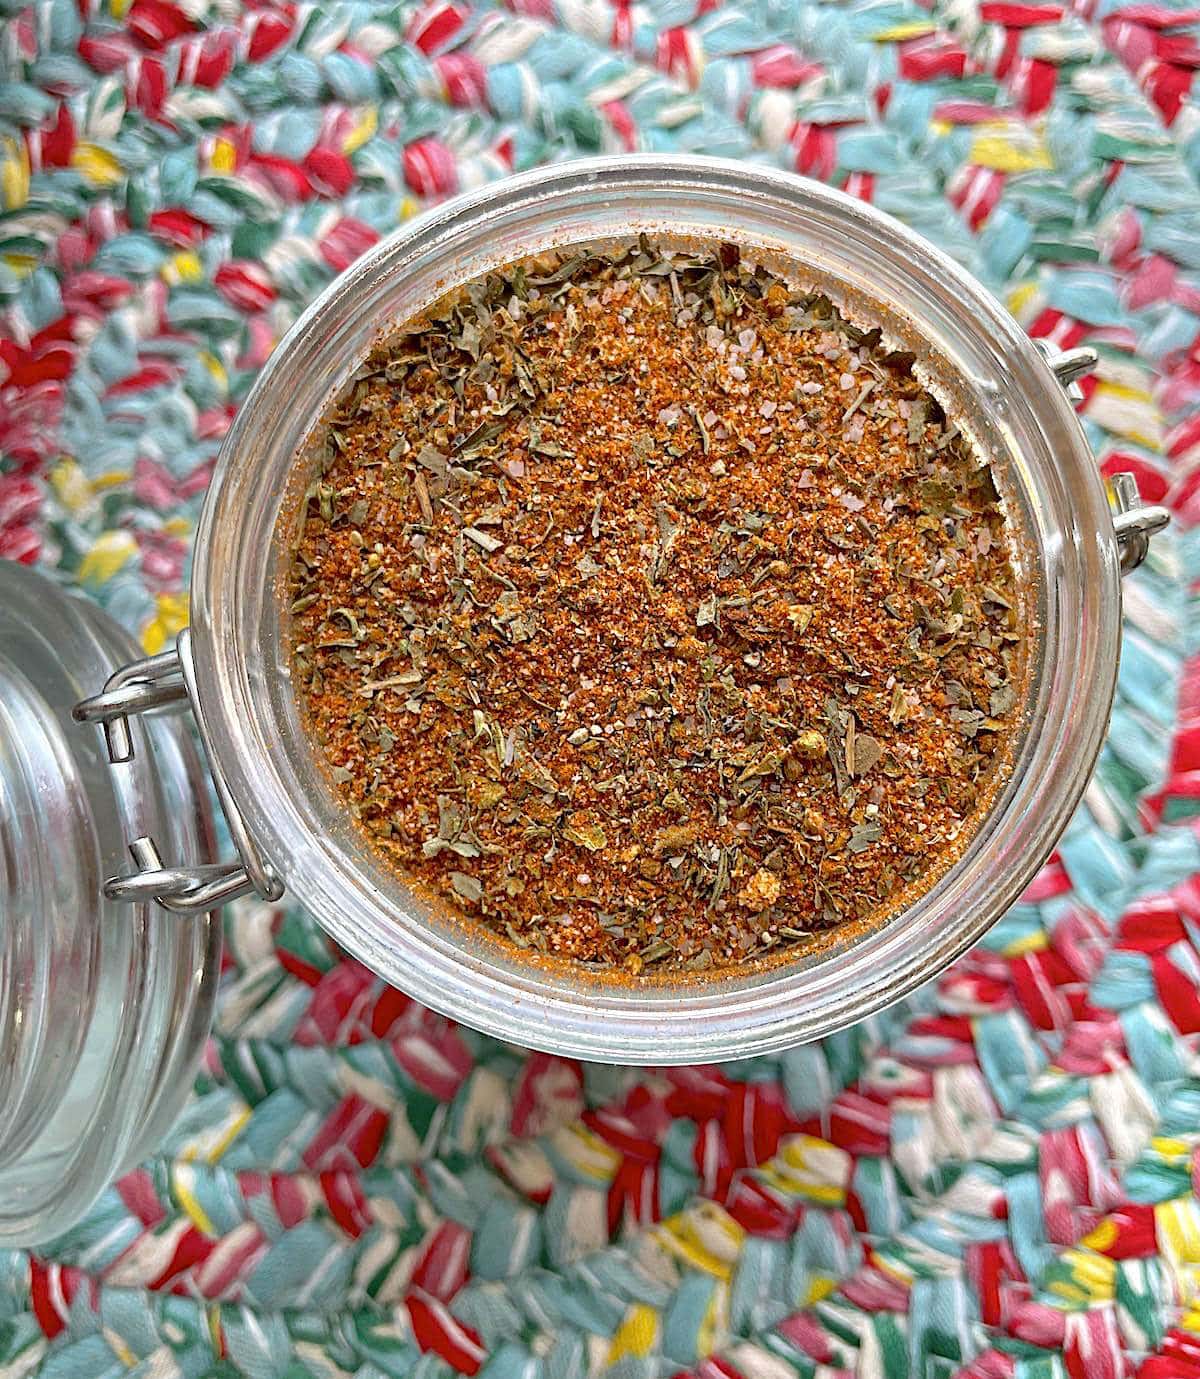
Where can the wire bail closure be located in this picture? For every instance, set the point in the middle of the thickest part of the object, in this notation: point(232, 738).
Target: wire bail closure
point(1134, 522)
point(166, 681)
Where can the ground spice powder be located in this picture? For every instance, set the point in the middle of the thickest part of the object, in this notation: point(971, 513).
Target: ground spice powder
point(652, 614)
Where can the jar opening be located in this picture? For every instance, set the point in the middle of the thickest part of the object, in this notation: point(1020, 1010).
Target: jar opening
point(1024, 422)
point(666, 598)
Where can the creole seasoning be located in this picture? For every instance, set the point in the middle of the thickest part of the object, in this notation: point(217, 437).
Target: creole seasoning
point(654, 615)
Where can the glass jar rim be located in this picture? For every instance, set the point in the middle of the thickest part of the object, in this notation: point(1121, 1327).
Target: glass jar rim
point(243, 709)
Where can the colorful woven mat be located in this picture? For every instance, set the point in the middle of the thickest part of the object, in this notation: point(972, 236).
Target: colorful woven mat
point(997, 1180)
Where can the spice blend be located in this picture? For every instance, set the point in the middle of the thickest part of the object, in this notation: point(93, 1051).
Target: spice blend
point(653, 614)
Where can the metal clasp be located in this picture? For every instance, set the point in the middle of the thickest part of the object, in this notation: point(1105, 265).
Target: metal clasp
point(154, 683)
point(1134, 522)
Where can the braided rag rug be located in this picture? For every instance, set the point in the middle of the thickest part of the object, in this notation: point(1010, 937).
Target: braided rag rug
point(999, 1179)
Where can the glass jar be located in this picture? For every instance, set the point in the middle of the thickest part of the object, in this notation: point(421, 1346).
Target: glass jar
point(289, 828)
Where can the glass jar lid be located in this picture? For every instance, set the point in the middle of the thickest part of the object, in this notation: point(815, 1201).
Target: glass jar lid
point(104, 1006)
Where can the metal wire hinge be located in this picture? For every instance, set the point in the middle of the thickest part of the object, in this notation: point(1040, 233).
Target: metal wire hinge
point(1134, 522)
point(155, 683)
